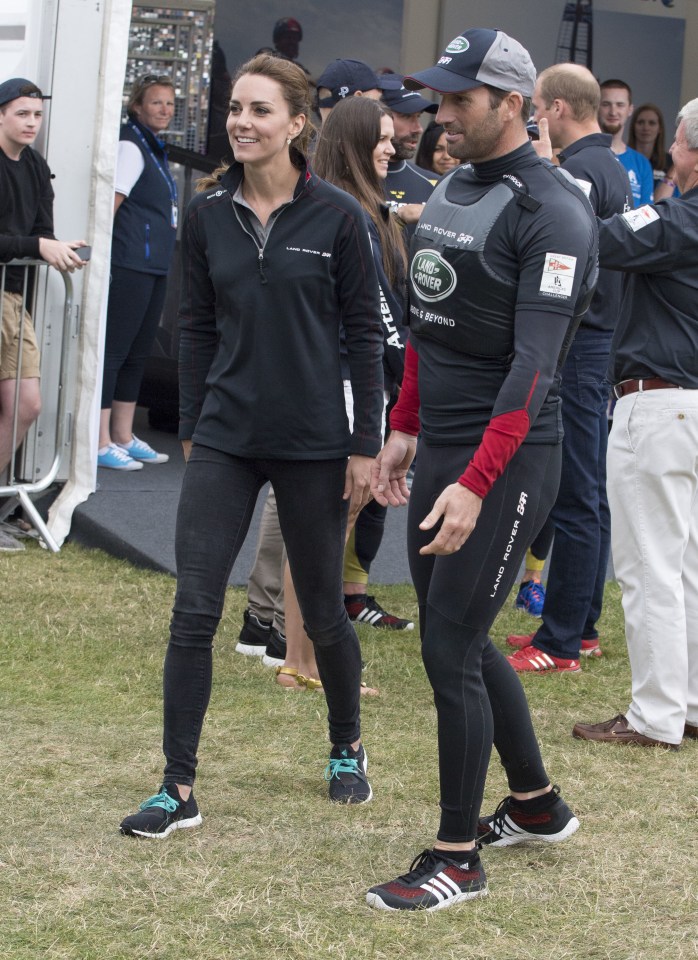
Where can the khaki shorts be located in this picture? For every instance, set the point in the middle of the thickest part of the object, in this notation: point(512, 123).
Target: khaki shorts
point(9, 341)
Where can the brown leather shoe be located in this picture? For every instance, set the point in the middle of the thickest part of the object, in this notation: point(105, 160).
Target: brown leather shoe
point(617, 730)
point(690, 730)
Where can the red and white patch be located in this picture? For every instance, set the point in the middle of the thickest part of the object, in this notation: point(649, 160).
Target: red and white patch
point(558, 274)
point(642, 217)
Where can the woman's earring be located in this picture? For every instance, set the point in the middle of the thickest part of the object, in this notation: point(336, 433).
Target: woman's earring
point(289, 141)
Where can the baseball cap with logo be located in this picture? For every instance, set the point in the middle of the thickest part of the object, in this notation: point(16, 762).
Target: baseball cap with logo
point(398, 98)
point(343, 78)
point(478, 57)
point(19, 87)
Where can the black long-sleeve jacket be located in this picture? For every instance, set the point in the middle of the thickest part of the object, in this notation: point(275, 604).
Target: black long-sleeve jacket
point(260, 371)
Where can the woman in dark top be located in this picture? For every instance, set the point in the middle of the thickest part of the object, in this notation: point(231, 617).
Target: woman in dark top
point(143, 241)
point(353, 152)
point(274, 260)
point(432, 153)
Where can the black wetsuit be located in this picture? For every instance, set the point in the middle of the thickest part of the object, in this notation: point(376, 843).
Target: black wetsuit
point(502, 266)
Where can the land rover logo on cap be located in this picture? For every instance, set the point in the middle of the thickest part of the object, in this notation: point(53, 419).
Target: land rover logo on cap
point(459, 45)
point(432, 278)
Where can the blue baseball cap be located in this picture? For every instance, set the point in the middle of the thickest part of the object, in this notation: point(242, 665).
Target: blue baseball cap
point(343, 78)
point(396, 97)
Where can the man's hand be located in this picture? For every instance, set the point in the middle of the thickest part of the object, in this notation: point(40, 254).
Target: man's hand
point(389, 472)
point(410, 212)
point(460, 509)
point(542, 145)
point(186, 449)
point(61, 255)
point(357, 485)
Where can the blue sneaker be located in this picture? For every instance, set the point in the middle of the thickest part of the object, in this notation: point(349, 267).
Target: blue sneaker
point(346, 775)
point(116, 458)
point(143, 452)
point(531, 597)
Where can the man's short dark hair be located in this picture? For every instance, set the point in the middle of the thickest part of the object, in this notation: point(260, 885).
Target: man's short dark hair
point(496, 97)
point(618, 83)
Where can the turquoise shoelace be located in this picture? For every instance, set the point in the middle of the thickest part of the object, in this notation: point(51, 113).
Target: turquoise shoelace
point(340, 765)
point(162, 799)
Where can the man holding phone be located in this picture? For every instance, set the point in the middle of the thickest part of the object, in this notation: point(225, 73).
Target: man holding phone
point(26, 230)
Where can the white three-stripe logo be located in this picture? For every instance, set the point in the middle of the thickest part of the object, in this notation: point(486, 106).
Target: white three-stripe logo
point(542, 661)
point(441, 886)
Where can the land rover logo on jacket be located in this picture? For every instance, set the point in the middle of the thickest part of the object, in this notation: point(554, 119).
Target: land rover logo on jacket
point(432, 278)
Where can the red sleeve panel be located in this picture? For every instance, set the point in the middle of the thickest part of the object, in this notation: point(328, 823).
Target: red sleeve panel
point(405, 414)
point(502, 438)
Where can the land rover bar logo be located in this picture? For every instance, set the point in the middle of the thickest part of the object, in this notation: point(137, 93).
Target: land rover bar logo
point(432, 278)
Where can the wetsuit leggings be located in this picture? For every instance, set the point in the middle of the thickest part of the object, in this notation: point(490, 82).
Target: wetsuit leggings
point(478, 696)
point(218, 496)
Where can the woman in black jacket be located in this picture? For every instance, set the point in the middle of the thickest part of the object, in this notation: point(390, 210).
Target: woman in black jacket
point(274, 260)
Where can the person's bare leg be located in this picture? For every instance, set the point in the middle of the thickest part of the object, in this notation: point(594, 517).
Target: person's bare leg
point(300, 655)
point(104, 427)
point(28, 410)
point(122, 415)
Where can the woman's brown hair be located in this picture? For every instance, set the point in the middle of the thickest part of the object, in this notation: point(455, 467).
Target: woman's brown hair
point(658, 156)
point(344, 157)
point(296, 92)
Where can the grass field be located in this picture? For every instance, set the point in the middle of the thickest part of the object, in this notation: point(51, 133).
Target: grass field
point(276, 871)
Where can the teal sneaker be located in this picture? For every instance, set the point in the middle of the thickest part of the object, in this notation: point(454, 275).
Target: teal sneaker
point(346, 775)
point(158, 816)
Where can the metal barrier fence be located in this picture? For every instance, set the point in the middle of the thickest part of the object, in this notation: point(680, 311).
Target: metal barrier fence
point(35, 295)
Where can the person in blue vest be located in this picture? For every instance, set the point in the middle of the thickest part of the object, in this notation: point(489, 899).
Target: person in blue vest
point(143, 241)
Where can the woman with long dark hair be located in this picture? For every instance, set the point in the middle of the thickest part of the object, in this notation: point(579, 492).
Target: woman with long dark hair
point(432, 153)
point(647, 135)
point(274, 260)
point(353, 152)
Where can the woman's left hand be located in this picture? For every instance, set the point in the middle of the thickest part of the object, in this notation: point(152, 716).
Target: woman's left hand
point(357, 485)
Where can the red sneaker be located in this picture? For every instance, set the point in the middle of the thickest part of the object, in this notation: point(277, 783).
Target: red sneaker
point(589, 648)
point(533, 660)
point(520, 640)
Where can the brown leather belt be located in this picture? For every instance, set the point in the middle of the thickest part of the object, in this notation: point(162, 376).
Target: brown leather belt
point(639, 386)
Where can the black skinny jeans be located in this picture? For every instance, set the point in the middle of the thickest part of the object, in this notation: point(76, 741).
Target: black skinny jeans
point(218, 496)
point(479, 698)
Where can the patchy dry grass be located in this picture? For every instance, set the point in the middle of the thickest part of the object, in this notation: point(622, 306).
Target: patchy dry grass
point(276, 872)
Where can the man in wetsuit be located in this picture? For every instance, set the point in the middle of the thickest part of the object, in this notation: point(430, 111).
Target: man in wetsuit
point(502, 266)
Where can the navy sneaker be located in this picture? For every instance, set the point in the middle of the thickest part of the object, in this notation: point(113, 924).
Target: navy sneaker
point(158, 816)
point(434, 882)
point(531, 598)
point(511, 824)
point(254, 635)
point(346, 775)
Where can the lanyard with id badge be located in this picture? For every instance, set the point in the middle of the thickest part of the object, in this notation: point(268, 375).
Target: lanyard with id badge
point(165, 172)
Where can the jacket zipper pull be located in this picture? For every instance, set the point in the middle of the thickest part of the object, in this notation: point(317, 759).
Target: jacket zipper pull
point(260, 261)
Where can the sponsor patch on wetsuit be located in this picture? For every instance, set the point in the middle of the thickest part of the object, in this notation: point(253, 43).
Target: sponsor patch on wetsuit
point(558, 274)
point(637, 219)
point(432, 277)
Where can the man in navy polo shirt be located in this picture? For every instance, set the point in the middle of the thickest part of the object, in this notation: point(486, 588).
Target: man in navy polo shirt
point(567, 95)
point(405, 182)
